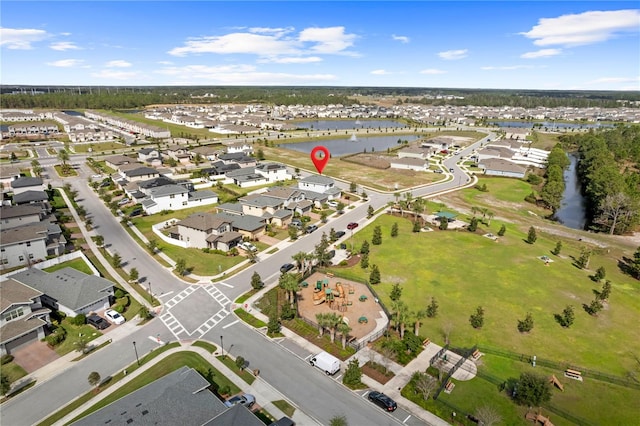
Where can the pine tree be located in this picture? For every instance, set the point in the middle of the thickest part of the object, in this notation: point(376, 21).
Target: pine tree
point(532, 236)
point(374, 276)
point(365, 247)
point(477, 319)
point(376, 240)
point(557, 248)
point(502, 231)
point(364, 261)
point(394, 229)
point(353, 373)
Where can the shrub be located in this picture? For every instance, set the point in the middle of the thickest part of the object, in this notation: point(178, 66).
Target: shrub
point(57, 336)
point(473, 225)
point(118, 308)
point(556, 250)
point(412, 342)
point(206, 250)
point(526, 325)
point(240, 362)
point(502, 231)
point(353, 373)
point(477, 319)
point(6, 359)
point(534, 179)
point(78, 320)
point(531, 198)
point(144, 313)
point(119, 293)
point(224, 390)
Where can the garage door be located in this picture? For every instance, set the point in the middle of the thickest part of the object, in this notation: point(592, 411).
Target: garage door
point(27, 338)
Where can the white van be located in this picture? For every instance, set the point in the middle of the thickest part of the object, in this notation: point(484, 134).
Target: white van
point(326, 362)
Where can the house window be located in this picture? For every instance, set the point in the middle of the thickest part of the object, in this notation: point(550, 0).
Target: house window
point(21, 258)
point(172, 196)
point(30, 255)
point(28, 243)
point(11, 315)
point(184, 203)
point(5, 261)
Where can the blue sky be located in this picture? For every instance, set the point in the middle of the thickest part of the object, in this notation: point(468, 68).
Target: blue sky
point(592, 45)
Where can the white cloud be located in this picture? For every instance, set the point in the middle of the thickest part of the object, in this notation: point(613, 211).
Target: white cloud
point(115, 74)
point(20, 39)
point(402, 39)
point(238, 43)
point(165, 62)
point(381, 72)
point(607, 80)
point(329, 40)
point(507, 68)
point(542, 53)
point(272, 43)
point(64, 45)
point(118, 64)
point(584, 28)
point(450, 55)
point(239, 74)
point(66, 63)
point(291, 60)
point(432, 71)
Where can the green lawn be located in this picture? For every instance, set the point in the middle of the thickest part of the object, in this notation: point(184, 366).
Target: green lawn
point(13, 371)
point(464, 270)
point(74, 334)
point(78, 264)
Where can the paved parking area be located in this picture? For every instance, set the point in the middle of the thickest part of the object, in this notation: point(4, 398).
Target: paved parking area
point(34, 355)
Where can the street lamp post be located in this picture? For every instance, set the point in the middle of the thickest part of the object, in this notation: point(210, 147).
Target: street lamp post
point(222, 347)
point(136, 351)
point(150, 294)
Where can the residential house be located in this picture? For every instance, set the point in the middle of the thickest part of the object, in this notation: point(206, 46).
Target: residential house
point(208, 152)
point(207, 230)
point(162, 193)
point(178, 153)
point(239, 147)
point(320, 185)
point(172, 399)
point(32, 197)
point(69, 290)
point(136, 172)
point(249, 226)
point(439, 143)
point(13, 216)
point(274, 172)
point(149, 155)
point(30, 243)
point(245, 177)
point(501, 167)
point(27, 183)
point(408, 163)
point(115, 161)
point(8, 174)
point(417, 152)
point(238, 158)
point(23, 319)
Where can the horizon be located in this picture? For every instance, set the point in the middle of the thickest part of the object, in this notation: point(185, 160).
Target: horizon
point(542, 46)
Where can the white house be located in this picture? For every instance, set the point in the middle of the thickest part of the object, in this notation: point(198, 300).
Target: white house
point(317, 183)
point(409, 164)
point(274, 172)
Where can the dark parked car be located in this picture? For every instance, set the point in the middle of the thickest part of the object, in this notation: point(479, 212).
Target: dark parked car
point(339, 234)
point(98, 322)
point(352, 225)
point(382, 400)
point(286, 267)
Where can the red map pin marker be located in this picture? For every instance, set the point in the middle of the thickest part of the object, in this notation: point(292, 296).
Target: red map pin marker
point(320, 160)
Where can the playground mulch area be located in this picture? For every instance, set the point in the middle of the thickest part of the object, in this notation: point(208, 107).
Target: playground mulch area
point(367, 308)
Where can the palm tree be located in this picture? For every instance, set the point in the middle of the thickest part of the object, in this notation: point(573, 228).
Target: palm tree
point(322, 322)
point(418, 316)
point(419, 207)
point(99, 241)
point(400, 311)
point(63, 155)
point(490, 214)
point(289, 283)
point(333, 320)
point(344, 329)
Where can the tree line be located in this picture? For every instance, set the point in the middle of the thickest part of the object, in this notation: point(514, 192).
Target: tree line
point(609, 171)
point(113, 97)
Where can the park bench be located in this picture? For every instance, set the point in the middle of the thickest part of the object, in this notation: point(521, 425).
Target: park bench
point(449, 386)
point(476, 354)
point(426, 342)
point(330, 274)
point(573, 374)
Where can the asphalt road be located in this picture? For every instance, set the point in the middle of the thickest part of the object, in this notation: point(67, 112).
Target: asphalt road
point(319, 396)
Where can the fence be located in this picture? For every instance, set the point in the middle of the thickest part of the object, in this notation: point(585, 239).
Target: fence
point(453, 370)
point(597, 375)
point(55, 261)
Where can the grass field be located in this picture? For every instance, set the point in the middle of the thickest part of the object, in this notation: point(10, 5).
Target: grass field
point(463, 270)
point(78, 264)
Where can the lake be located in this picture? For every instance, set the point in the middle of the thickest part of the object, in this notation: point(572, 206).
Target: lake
point(345, 146)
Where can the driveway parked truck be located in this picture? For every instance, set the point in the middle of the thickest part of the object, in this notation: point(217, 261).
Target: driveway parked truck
point(326, 362)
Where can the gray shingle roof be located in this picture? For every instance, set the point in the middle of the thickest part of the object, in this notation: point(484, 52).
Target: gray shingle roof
point(68, 286)
point(30, 196)
point(318, 179)
point(244, 223)
point(24, 233)
point(203, 222)
point(163, 191)
point(179, 398)
point(202, 194)
point(8, 212)
point(14, 293)
point(26, 181)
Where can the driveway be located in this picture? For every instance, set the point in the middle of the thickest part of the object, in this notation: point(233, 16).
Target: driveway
point(34, 356)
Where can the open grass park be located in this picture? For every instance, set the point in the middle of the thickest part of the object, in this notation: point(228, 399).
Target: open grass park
point(463, 270)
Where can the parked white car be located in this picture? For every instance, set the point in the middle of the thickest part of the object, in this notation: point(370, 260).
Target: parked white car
point(333, 204)
point(114, 317)
point(247, 246)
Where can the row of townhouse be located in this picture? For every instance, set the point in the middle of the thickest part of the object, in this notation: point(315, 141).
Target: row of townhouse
point(13, 115)
point(14, 130)
point(130, 125)
point(79, 129)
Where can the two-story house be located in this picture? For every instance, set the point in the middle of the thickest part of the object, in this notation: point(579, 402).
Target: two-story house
point(29, 243)
point(206, 230)
point(23, 319)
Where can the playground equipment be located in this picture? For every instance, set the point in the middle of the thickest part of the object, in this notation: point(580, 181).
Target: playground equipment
point(573, 374)
point(538, 418)
point(319, 297)
point(554, 381)
point(340, 289)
